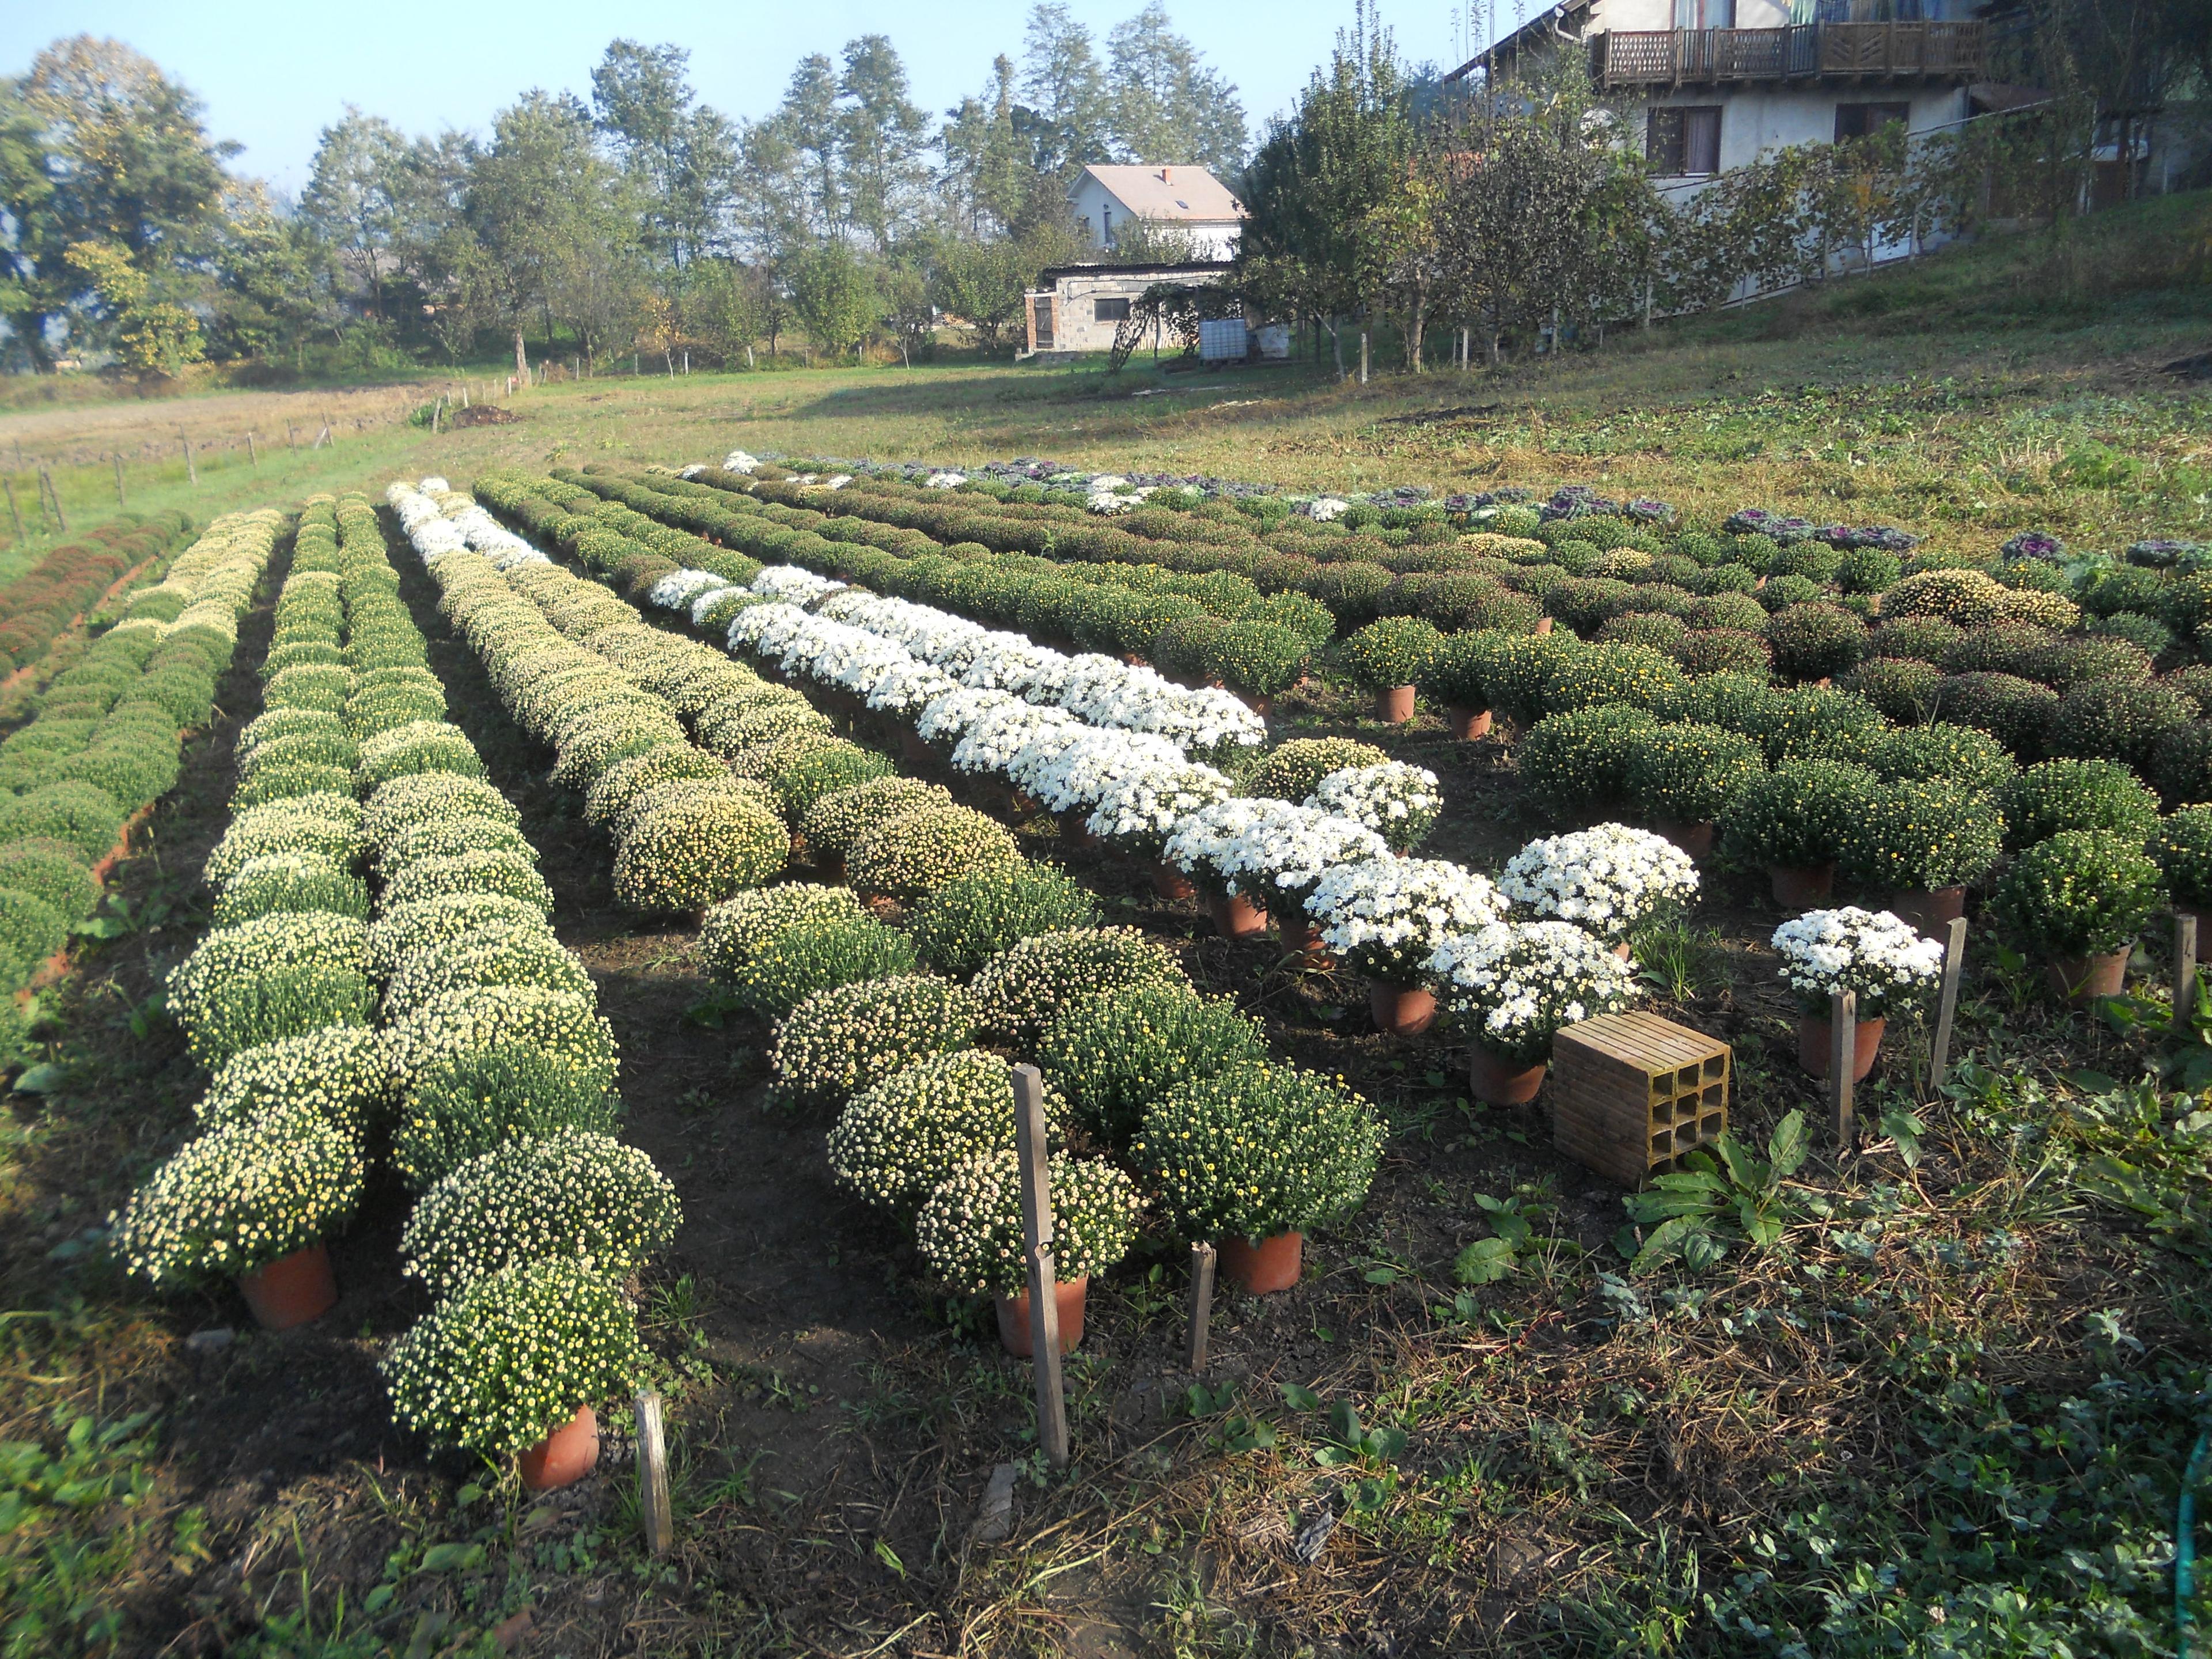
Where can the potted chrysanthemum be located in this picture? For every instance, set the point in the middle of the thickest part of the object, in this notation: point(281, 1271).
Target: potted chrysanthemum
point(1139, 812)
point(2081, 898)
point(969, 1232)
point(1385, 917)
point(1512, 986)
point(1398, 802)
point(1608, 880)
point(1280, 855)
point(1882, 959)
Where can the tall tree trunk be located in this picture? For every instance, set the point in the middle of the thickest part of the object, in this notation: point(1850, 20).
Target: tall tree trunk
point(521, 360)
point(1416, 328)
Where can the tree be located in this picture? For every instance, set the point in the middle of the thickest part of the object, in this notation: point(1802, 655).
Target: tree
point(152, 336)
point(682, 156)
point(904, 307)
point(1167, 104)
point(1065, 90)
point(806, 129)
point(834, 296)
point(989, 171)
point(354, 196)
point(881, 135)
point(273, 282)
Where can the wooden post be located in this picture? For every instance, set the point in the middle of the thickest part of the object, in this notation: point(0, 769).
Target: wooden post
point(1201, 1303)
point(252, 454)
point(291, 438)
point(60, 517)
point(1030, 1144)
point(14, 513)
point(117, 458)
point(320, 438)
point(2184, 966)
point(191, 471)
point(1842, 1052)
point(1946, 1008)
point(653, 1505)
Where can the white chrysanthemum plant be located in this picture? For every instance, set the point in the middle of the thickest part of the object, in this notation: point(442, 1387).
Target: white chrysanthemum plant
point(1286, 849)
point(1075, 775)
point(676, 590)
point(1326, 509)
point(1609, 880)
point(737, 461)
point(1399, 802)
point(945, 480)
point(1201, 845)
point(1142, 809)
point(791, 583)
point(998, 735)
point(1871, 953)
point(948, 718)
point(1514, 985)
point(1386, 917)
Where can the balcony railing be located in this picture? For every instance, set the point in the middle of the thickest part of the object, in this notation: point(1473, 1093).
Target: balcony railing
point(1803, 52)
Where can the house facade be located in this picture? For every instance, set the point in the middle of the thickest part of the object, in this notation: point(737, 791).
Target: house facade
point(1710, 85)
point(1107, 200)
point(1078, 308)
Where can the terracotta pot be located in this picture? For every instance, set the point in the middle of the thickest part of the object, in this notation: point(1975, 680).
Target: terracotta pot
point(1301, 937)
point(1262, 707)
point(1543, 624)
point(1695, 839)
point(1394, 706)
point(1926, 912)
point(1169, 883)
point(1499, 1082)
point(2081, 980)
point(1074, 830)
point(1261, 1268)
point(1401, 1011)
point(1816, 1034)
point(1015, 1334)
point(1134, 661)
point(1802, 887)
point(1237, 916)
point(913, 749)
point(564, 1456)
point(1621, 950)
point(291, 1289)
point(1467, 723)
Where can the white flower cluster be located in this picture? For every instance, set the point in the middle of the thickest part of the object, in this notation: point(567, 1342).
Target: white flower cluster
point(1111, 494)
point(1515, 984)
point(945, 480)
point(790, 583)
point(676, 590)
point(1607, 879)
point(1871, 952)
point(1328, 509)
point(737, 461)
point(1080, 773)
point(1269, 850)
point(1144, 808)
point(1386, 917)
point(1397, 801)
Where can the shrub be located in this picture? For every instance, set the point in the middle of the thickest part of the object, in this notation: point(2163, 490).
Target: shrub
point(1653, 629)
point(84, 817)
point(918, 852)
point(1915, 835)
point(272, 783)
point(969, 1230)
point(1941, 752)
point(1722, 651)
point(1815, 722)
point(1968, 599)
point(450, 838)
point(978, 915)
point(242, 1196)
point(574, 1196)
point(1114, 1053)
point(49, 871)
point(898, 1138)
point(2081, 892)
point(462, 1023)
point(1020, 990)
point(1867, 570)
point(1393, 651)
point(2181, 764)
point(1459, 675)
point(2063, 795)
point(524, 955)
point(1903, 689)
point(738, 928)
point(2117, 719)
point(1636, 676)
point(1259, 658)
point(1813, 641)
point(1880, 960)
point(31, 930)
point(470, 873)
point(339, 1073)
point(434, 923)
point(851, 1037)
point(1465, 603)
point(616, 792)
point(1256, 1150)
point(289, 881)
point(2001, 648)
point(1687, 772)
point(1293, 770)
point(273, 977)
point(1577, 764)
point(835, 819)
point(511, 1357)
point(473, 1101)
point(1922, 638)
point(788, 966)
point(1399, 802)
point(1800, 815)
point(687, 856)
point(2182, 848)
point(2019, 714)
point(293, 826)
point(412, 800)
point(314, 747)
point(1736, 611)
point(2073, 661)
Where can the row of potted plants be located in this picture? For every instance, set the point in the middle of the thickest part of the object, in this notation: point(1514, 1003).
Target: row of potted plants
point(69, 582)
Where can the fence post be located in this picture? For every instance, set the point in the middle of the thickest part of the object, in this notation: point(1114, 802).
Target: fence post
point(117, 458)
point(1946, 1010)
point(192, 472)
point(60, 517)
point(15, 514)
point(1037, 1237)
point(1843, 1052)
point(2184, 965)
point(252, 454)
point(1201, 1303)
point(653, 1505)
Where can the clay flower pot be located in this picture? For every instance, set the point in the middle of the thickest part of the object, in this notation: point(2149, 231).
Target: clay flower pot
point(1802, 887)
point(1467, 724)
point(1235, 916)
point(1301, 937)
point(1169, 883)
point(1543, 624)
point(1399, 1010)
point(1816, 1034)
point(1695, 839)
point(1393, 705)
point(1264, 1267)
point(1074, 829)
point(1497, 1081)
point(565, 1455)
point(1926, 912)
point(291, 1289)
point(1015, 1334)
point(2082, 979)
point(1621, 950)
point(1262, 707)
point(916, 752)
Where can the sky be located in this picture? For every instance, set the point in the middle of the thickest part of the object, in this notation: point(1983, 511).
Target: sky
point(274, 73)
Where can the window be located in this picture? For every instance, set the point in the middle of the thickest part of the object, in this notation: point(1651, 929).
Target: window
point(1704, 13)
point(1109, 311)
point(1684, 142)
point(1863, 120)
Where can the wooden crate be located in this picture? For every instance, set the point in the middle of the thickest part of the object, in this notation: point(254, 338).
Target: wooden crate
point(1632, 1093)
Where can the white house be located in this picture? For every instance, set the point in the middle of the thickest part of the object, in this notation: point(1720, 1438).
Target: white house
point(1711, 84)
point(1190, 199)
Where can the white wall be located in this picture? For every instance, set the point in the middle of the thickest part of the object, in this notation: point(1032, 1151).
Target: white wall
point(1099, 212)
point(1754, 120)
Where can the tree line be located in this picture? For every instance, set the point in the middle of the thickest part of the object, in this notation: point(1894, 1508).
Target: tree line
point(639, 218)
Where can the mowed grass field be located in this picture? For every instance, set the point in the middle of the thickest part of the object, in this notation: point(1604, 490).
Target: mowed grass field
point(1946, 1416)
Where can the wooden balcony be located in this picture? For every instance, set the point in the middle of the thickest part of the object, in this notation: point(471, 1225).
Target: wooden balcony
point(1804, 51)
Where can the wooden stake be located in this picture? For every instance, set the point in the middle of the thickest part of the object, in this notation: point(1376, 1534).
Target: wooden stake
point(60, 517)
point(1946, 1009)
point(1201, 1303)
point(652, 1506)
point(2184, 966)
point(252, 454)
point(1036, 1238)
point(320, 438)
point(291, 438)
point(191, 471)
point(1843, 1051)
point(117, 458)
point(15, 514)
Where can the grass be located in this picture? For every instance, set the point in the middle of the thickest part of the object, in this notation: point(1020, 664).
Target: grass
point(1943, 1412)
